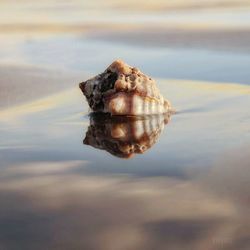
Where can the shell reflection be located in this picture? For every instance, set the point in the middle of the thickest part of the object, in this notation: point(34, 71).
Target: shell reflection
point(124, 136)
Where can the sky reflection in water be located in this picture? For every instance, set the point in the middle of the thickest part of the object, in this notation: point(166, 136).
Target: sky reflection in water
point(187, 191)
point(51, 207)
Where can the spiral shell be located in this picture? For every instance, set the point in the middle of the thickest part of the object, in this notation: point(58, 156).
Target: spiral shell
point(124, 90)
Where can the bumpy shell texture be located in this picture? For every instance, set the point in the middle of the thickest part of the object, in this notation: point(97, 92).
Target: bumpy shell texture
point(124, 137)
point(124, 90)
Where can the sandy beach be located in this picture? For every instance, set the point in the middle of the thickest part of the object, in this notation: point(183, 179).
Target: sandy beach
point(189, 190)
point(21, 84)
point(52, 170)
point(34, 51)
point(221, 40)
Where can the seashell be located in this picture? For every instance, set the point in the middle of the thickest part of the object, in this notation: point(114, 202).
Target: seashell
point(124, 136)
point(124, 90)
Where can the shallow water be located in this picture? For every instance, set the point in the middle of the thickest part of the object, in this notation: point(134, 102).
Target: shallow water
point(69, 180)
point(77, 53)
point(189, 188)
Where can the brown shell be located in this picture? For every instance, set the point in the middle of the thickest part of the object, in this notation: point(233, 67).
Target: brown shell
point(124, 90)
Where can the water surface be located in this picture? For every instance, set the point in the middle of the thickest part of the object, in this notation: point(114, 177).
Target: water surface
point(189, 188)
point(73, 181)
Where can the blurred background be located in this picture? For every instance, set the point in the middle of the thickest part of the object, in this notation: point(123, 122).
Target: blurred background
point(175, 39)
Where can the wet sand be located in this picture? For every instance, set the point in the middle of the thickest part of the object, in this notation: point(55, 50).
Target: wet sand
point(171, 195)
point(188, 190)
point(20, 84)
point(222, 40)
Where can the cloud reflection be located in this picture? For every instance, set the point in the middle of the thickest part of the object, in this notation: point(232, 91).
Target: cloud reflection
point(62, 209)
point(124, 136)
